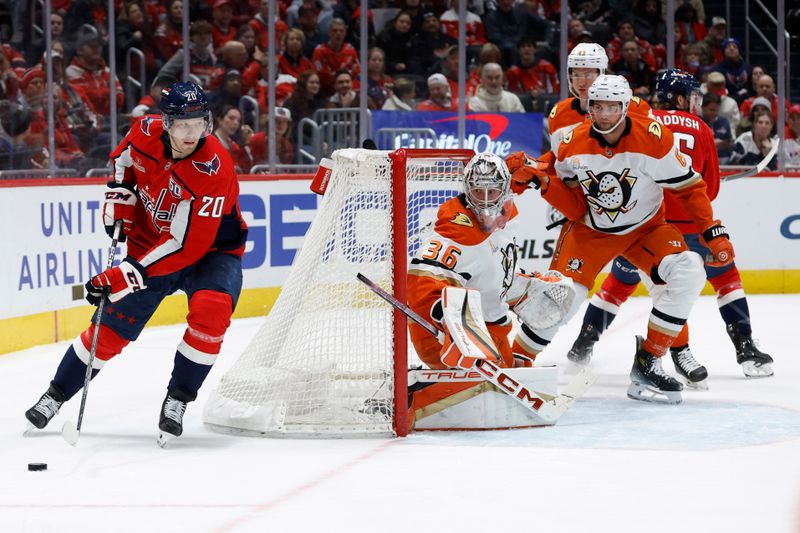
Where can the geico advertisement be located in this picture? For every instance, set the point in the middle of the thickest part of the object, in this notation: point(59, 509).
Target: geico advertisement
point(54, 238)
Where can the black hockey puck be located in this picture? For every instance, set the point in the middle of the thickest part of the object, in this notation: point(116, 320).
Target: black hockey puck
point(37, 467)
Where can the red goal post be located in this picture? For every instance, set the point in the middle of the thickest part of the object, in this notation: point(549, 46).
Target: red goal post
point(331, 358)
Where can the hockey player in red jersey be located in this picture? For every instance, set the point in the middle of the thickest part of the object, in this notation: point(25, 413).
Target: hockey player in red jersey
point(176, 192)
point(621, 165)
point(679, 98)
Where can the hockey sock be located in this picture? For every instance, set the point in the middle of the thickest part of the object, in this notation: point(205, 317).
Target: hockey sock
point(71, 373)
point(604, 305)
point(599, 318)
point(187, 375)
point(737, 312)
point(731, 299)
point(682, 339)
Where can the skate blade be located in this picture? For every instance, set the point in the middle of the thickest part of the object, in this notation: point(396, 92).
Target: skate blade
point(752, 370)
point(70, 433)
point(644, 393)
point(29, 429)
point(701, 385)
point(164, 438)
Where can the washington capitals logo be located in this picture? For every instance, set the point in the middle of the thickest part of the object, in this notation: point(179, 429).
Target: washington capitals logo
point(609, 192)
point(145, 125)
point(208, 167)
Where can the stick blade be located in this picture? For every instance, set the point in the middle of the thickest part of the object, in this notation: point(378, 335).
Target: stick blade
point(70, 433)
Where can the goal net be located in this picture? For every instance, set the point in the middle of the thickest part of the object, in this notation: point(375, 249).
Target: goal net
point(331, 357)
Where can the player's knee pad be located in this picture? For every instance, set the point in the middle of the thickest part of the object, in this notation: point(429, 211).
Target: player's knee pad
point(683, 278)
point(109, 344)
point(728, 284)
point(208, 320)
point(614, 291)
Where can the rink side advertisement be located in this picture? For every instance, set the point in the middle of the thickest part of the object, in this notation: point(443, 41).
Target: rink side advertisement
point(54, 239)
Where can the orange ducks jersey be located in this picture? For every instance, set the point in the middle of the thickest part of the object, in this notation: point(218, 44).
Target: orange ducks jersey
point(567, 114)
point(623, 183)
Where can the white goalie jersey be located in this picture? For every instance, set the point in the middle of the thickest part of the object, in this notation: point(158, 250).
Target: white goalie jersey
point(458, 253)
point(623, 184)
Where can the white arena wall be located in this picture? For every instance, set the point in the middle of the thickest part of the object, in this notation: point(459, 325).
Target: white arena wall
point(54, 239)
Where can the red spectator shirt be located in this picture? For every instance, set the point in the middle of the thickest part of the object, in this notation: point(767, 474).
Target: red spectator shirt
point(187, 207)
point(262, 37)
point(646, 53)
point(327, 61)
point(533, 77)
point(476, 33)
point(219, 37)
point(95, 85)
point(696, 141)
point(168, 41)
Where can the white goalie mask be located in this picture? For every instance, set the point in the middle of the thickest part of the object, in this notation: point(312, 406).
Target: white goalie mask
point(487, 188)
point(586, 55)
point(608, 88)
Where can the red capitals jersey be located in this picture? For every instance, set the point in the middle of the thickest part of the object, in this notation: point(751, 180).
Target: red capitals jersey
point(187, 207)
point(696, 140)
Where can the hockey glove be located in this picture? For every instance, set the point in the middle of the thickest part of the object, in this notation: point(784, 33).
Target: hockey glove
point(528, 171)
point(716, 238)
point(117, 282)
point(120, 204)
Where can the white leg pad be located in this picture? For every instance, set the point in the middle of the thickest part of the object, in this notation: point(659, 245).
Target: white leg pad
point(685, 277)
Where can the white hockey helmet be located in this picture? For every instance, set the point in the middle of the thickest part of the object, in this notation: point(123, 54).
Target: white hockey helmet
point(487, 188)
point(588, 55)
point(610, 88)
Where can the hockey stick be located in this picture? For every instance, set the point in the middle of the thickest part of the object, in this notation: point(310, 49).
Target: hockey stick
point(547, 408)
point(70, 432)
point(758, 168)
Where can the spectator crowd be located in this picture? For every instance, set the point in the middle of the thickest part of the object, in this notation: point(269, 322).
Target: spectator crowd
point(412, 64)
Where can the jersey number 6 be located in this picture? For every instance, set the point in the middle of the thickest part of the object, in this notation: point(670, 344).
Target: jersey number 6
point(449, 258)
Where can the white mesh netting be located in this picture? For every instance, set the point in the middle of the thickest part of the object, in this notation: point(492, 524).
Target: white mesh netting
point(322, 364)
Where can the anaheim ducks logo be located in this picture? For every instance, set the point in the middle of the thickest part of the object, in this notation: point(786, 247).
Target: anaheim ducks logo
point(462, 219)
point(509, 263)
point(609, 193)
point(654, 129)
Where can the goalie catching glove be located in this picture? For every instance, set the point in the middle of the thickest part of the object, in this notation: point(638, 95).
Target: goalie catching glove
point(718, 241)
point(120, 204)
point(528, 171)
point(541, 300)
point(117, 282)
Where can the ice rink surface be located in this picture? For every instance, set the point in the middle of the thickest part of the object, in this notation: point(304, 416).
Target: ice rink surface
point(726, 460)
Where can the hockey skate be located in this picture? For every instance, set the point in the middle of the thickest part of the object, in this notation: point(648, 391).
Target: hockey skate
point(690, 372)
point(170, 421)
point(581, 351)
point(45, 409)
point(649, 382)
point(755, 363)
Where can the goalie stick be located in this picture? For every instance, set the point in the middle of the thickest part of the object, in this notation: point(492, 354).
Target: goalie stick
point(70, 432)
point(548, 408)
point(758, 169)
